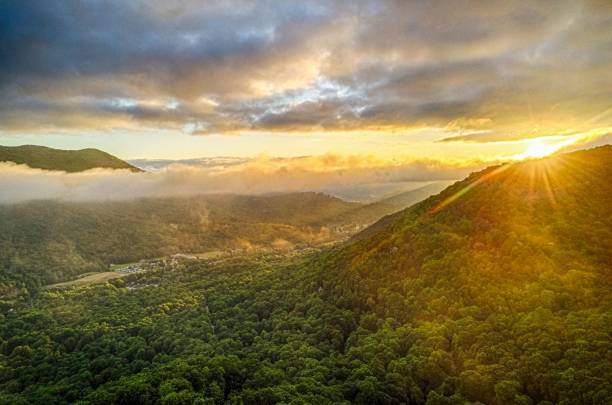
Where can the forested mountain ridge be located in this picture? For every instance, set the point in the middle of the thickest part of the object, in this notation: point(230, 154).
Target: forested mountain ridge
point(503, 283)
point(51, 241)
point(552, 194)
point(375, 210)
point(42, 157)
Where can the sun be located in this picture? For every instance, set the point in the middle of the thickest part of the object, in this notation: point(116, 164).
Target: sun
point(539, 148)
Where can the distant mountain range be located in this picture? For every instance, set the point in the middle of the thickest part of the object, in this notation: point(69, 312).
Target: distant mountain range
point(371, 192)
point(42, 157)
point(206, 162)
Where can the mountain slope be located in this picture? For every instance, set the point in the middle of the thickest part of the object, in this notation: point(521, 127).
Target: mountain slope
point(408, 198)
point(391, 206)
point(502, 282)
point(51, 241)
point(557, 198)
point(42, 157)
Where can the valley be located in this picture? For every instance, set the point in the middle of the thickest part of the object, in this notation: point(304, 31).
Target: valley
point(177, 261)
point(47, 242)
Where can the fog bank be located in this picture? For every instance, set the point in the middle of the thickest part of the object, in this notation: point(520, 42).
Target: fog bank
point(262, 175)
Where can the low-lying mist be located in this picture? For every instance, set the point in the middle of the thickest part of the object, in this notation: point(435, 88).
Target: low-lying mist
point(329, 173)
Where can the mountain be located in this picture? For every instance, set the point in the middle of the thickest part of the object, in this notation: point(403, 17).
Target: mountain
point(403, 200)
point(42, 157)
point(212, 162)
point(369, 193)
point(498, 290)
point(408, 198)
point(51, 241)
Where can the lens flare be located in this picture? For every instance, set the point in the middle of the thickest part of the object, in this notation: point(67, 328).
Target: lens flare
point(539, 148)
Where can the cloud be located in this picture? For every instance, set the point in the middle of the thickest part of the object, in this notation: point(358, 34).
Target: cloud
point(494, 136)
point(595, 136)
point(237, 66)
point(209, 163)
point(255, 176)
point(590, 142)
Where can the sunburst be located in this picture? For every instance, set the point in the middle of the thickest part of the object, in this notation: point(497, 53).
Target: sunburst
point(541, 147)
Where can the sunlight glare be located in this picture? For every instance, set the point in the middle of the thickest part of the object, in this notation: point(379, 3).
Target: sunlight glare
point(539, 148)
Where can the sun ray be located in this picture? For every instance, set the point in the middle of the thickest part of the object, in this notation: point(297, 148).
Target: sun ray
point(546, 177)
point(540, 147)
point(467, 188)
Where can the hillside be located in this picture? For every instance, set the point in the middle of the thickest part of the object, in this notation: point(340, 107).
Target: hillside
point(50, 241)
point(41, 157)
point(499, 288)
point(397, 202)
point(495, 291)
point(408, 198)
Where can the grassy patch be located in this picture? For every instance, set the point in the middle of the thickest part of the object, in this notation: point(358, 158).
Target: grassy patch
point(95, 278)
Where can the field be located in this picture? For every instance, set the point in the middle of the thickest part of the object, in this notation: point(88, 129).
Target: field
point(87, 279)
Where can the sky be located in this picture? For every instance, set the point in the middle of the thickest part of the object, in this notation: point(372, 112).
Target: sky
point(453, 81)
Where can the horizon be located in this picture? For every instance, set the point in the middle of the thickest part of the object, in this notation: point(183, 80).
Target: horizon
point(175, 81)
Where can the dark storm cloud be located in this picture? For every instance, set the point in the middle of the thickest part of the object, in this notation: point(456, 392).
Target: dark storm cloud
point(513, 68)
point(43, 39)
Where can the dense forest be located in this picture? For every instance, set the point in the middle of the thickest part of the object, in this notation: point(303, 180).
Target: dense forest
point(495, 291)
point(45, 242)
point(42, 157)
